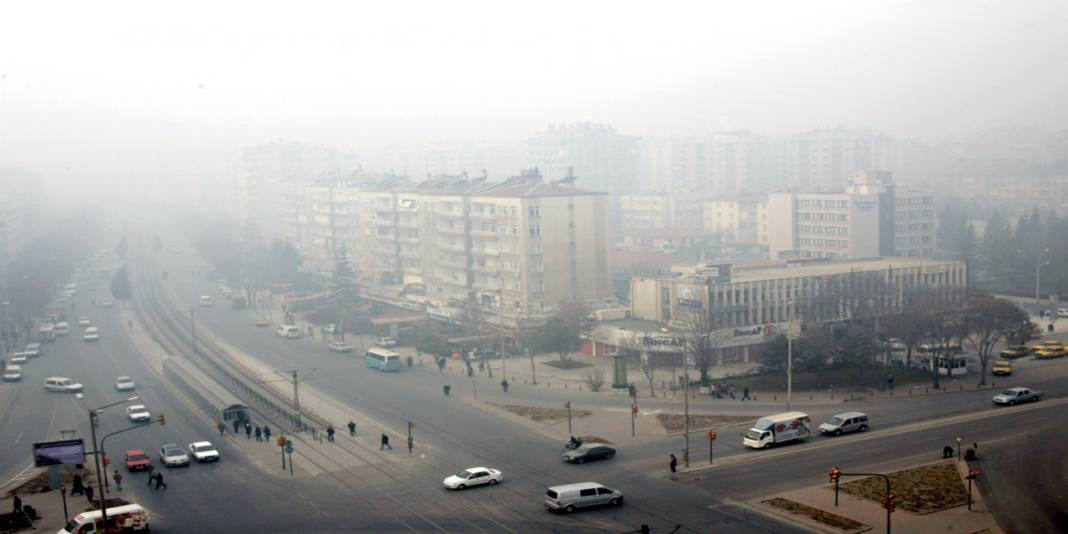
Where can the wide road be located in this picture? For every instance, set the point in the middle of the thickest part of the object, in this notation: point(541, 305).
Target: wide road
point(468, 436)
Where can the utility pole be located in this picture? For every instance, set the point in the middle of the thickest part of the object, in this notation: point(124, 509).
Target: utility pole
point(533, 371)
point(790, 354)
point(685, 411)
point(1038, 276)
point(296, 398)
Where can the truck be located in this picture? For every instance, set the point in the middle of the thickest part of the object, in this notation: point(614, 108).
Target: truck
point(776, 429)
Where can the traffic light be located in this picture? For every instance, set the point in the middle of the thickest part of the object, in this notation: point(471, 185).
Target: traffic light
point(162, 421)
point(890, 504)
point(835, 475)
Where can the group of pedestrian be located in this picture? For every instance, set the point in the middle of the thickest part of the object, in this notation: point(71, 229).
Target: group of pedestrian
point(262, 433)
point(155, 477)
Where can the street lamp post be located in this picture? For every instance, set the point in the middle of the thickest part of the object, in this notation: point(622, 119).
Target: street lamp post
point(789, 355)
point(958, 448)
point(96, 455)
point(1038, 275)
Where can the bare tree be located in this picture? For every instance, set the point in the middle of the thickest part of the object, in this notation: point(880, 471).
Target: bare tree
point(945, 327)
point(564, 332)
point(988, 320)
point(594, 379)
point(702, 340)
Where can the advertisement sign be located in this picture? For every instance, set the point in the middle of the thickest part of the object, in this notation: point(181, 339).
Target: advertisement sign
point(63, 452)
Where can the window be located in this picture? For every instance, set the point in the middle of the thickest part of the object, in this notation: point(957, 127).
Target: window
point(534, 211)
point(588, 492)
point(534, 231)
point(537, 285)
point(604, 491)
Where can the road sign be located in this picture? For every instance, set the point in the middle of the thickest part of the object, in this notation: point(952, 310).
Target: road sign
point(712, 435)
point(67, 451)
point(289, 448)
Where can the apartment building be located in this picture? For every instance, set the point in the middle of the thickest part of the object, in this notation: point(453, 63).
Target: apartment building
point(738, 218)
point(605, 160)
point(753, 304)
point(723, 162)
point(826, 159)
point(660, 210)
point(859, 222)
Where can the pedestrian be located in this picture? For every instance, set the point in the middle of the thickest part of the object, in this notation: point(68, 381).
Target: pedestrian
point(385, 443)
point(159, 481)
point(890, 382)
point(17, 501)
point(259, 434)
point(222, 429)
point(352, 428)
point(117, 476)
point(329, 432)
point(151, 475)
point(730, 390)
point(266, 433)
point(745, 393)
point(504, 385)
point(236, 424)
point(673, 464)
point(947, 452)
point(89, 492)
point(248, 430)
point(79, 488)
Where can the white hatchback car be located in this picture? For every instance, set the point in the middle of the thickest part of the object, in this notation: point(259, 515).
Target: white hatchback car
point(91, 334)
point(84, 321)
point(12, 373)
point(124, 383)
point(138, 413)
point(203, 451)
point(63, 384)
point(18, 357)
point(473, 476)
point(173, 456)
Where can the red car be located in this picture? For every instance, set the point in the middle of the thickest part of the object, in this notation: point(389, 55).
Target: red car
point(136, 460)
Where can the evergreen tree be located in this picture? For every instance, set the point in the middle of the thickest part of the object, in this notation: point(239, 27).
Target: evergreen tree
point(996, 250)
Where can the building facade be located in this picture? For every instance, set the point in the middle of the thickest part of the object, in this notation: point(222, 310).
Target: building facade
point(738, 218)
point(605, 160)
point(859, 222)
point(753, 304)
point(660, 210)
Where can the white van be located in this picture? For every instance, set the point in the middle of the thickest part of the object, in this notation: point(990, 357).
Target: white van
point(63, 384)
point(126, 518)
point(569, 497)
point(287, 331)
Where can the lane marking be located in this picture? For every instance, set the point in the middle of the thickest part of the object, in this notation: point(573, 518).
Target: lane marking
point(17, 439)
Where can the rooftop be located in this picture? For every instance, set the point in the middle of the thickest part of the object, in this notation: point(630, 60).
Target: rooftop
point(817, 268)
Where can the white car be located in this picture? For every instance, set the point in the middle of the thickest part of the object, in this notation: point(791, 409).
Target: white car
point(91, 334)
point(62, 328)
point(338, 346)
point(173, 456)
point(18, 357)
point(205, 301)
point(84, 321)
point(63, 384)
point(124, 383)
point(32, 350)
point(473, 476)
point(204, 451)
point(138, 413)
point(12, 373)
point(107, 304)
point(386, 342)
point(1014, 396)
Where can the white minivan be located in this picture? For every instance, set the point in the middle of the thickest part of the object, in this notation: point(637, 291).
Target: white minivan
point(62, 384)
point(287, 331)
point(569, 497)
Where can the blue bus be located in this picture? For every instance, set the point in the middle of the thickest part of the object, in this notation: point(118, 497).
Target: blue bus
point(383, 359)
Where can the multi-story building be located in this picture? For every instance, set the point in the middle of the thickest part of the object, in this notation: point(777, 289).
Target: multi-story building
point(859, 222)
point(825, 160)
point(660, 210)
point(723, 162)
point(604, 159)
point(738, 219)
point(473, 158)
point(12, 231)
point(750, 305)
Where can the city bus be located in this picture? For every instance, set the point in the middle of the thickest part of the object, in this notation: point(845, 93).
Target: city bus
point(383, 359)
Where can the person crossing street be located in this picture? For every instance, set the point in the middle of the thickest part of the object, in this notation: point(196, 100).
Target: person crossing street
point(352, 428)
point(385, 443)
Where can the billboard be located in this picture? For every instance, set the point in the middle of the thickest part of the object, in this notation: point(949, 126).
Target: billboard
point(67, 451)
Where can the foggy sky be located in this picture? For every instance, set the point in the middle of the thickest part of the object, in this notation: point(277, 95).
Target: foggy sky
point(85, 86)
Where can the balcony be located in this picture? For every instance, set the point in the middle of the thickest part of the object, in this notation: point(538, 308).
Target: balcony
point(453, 230)
point(489, 268)
point(388, 236)
point(453, 262)
point(483, 215)
point(452, 245)
point(449, 211)
point(408, 222)
point(482, 251)
point(487, 285)
point(411, 253)
point(408, 238)
point(385, 223)
point(478, 232)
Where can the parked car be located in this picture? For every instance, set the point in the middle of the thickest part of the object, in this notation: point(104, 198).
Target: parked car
point(91, 334)
point(12, 373)
point(124, 383)
point(1062, 312)
point(570, 497)
point(845, 422)
point(62, 384)
point(473, 476)
point(386, 342)
point(137, 460)
point(138, 413)
point(32, 350)
point(1014, 396)
point(173, 456)
point(203, 451)
point(589, 452)
point(1001, 368)
point(1048, 352)
point(338, 346)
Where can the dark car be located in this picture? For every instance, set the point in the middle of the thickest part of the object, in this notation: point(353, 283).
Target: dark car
point(589, 452)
